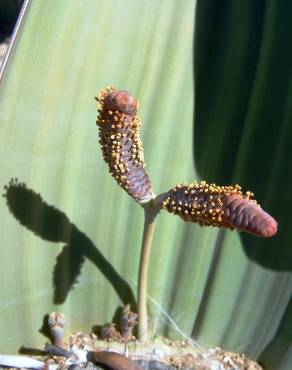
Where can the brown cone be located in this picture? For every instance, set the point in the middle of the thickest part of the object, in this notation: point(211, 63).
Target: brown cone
point(120, 142)
point(225, 206)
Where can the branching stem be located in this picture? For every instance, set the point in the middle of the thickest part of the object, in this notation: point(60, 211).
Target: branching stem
point(151, 210)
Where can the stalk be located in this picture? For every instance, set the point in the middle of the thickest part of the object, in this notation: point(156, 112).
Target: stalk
point(151, 210)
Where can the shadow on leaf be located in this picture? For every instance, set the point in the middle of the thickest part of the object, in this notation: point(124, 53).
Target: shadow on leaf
point(51, 224)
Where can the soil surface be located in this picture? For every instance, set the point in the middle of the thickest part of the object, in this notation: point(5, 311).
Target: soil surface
point(160, 354)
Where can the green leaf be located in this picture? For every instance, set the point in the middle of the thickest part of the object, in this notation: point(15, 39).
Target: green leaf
point(71, 237)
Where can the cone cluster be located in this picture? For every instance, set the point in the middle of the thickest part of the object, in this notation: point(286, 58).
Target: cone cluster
point(121, 145)
point(202, 203)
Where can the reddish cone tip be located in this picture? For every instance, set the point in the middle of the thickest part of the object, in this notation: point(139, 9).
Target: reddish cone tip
point(269, 228)
point(122, 101)
point(245, 215)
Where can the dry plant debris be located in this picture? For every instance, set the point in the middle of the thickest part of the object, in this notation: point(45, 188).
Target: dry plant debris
point(121, 351)
point(164, 354)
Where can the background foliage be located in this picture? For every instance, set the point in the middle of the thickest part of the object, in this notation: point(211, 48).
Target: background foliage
point(214, 88)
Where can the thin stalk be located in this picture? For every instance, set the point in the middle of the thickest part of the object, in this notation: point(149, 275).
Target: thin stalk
point(151, 210)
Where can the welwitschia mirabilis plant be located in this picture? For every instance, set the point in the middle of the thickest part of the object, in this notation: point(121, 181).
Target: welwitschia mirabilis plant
point(202, 203)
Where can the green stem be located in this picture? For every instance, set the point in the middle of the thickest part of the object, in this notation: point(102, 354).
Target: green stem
point(151, 210)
